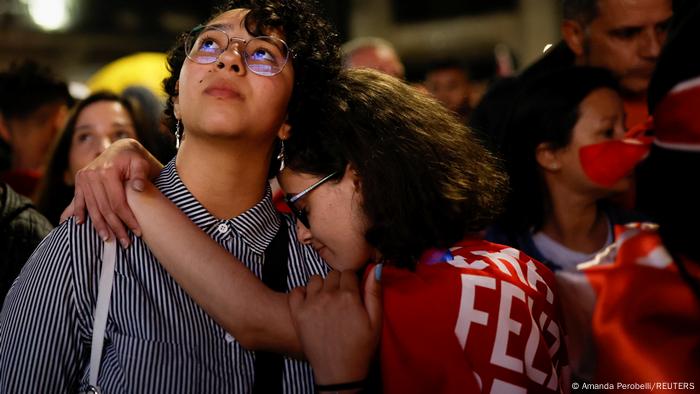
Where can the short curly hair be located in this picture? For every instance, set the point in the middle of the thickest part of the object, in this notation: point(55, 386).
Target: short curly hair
point(312, 41)
point(426, 180)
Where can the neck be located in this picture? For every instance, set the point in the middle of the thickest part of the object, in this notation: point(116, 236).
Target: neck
point(226, 177)
point(575, 221)
point(634, 97)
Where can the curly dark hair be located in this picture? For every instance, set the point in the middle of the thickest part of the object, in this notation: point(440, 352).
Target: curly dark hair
point(426, 180)
point(545, 112)
point(313, 44)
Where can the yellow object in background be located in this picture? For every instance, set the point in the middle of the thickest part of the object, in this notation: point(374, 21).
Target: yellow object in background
point(147, 69)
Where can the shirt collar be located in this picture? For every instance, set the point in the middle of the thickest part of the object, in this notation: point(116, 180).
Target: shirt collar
point(257, 226)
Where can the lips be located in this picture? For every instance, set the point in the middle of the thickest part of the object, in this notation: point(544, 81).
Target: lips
point(223, 91)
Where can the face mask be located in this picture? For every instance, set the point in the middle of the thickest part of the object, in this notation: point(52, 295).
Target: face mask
point(608, 162)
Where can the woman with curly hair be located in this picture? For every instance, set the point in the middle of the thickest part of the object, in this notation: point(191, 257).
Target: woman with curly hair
point(235, 92)
point(384, 175)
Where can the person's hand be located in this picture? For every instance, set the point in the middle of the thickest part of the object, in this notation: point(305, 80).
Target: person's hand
point(99, 188)
point(338, 333)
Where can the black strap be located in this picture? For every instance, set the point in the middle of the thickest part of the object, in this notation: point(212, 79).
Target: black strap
point(269, 366)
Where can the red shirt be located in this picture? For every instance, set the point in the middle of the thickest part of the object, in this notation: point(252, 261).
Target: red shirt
point(646, 319)
point(479, 317)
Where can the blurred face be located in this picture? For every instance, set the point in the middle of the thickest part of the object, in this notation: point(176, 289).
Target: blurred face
point(97, 127)
point(626, 37)
point(31, 137)
point(450, 86)
point(380, 59)
point(337, 222)
point(225, 100)
point(601, 119)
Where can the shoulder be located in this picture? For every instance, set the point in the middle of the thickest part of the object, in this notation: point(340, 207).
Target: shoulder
point(19, 216)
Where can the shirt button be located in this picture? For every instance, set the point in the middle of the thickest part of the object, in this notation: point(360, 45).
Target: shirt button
point(229, 338)
point(223, 228)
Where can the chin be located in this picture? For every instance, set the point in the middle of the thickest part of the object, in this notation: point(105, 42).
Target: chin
point(635, 86)
point(622, 185)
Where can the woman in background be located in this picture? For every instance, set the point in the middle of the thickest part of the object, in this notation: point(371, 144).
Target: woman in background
point(563, 168)
point(95, 123)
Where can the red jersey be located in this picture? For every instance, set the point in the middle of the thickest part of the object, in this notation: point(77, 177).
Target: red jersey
point(480, 317)
point(645, 321)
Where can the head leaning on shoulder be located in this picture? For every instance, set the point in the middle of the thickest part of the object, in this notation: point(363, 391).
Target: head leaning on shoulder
point(387, 172)
point(253, 70)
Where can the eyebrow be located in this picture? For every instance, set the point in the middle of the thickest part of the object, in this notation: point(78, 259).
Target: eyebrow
point(635, 28)
point(227, 26)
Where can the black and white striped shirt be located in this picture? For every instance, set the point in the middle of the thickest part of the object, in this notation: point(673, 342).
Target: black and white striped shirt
point(157, 339)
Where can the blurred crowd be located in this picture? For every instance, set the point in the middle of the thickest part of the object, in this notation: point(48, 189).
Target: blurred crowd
point(565, 189)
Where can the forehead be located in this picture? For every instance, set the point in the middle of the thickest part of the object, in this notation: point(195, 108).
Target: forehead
point(234, 21)
point(630, 13)
point(99, 108)
point(603, 101)
point(230, 20)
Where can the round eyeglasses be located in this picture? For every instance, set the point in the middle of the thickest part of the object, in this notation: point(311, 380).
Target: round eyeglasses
point(264, 55)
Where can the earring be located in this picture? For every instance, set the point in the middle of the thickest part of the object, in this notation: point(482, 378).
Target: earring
point(280, 156)
point(178, 134)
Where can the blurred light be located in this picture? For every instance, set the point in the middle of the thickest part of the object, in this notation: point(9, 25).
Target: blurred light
point(546, 48)
point(78, 90)
point(49, 14)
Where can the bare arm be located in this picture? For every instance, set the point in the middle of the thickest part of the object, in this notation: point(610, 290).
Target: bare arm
point(256, 316)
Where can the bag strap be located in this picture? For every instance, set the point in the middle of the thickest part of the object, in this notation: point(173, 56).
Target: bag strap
point(269, 367)
point(104, 295)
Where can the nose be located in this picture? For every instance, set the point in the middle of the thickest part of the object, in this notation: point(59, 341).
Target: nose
point(303, 233)
point(652, 43)
point(232, 58)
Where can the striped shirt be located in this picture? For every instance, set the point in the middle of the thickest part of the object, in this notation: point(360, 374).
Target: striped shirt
point(157, 339)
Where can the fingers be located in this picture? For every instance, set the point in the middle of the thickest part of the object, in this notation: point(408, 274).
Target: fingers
point(98, 222)
point(102, 199)
point(332, 281)
point(314, 285)
point(138, 174)
point(373, 297)
point(79, 202)
point(296, 301)
point(118, 206)
point(68, 212)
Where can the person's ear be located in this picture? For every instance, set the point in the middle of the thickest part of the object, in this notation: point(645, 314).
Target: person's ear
point(547, 158)
point(353, 176)
point(285, 131)
point(574, 35)
point(5, 130)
